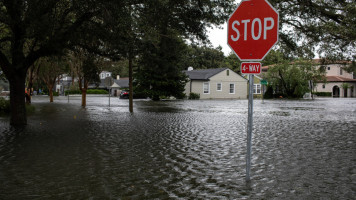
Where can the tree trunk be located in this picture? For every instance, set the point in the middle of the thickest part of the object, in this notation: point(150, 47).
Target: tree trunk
point(17, 99)
point(50, 95)
point(84, 97)
point(130, 84)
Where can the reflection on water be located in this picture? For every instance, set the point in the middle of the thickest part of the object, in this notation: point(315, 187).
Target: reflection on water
point(180, 150)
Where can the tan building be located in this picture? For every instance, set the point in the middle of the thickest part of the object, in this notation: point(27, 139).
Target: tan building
point(220, 83)
point(338, 81)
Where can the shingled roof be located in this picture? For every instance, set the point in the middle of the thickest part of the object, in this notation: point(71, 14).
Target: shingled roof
point(122, 82)
point(203, 74)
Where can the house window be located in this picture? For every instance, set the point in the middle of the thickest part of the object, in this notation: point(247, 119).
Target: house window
point(257, 88)
point(102, 76)
point(232, 88)
point(328, 68)
point(323, 86)
point(107, 75)
point(206, 88)
point(218, 87)
point(227, 72)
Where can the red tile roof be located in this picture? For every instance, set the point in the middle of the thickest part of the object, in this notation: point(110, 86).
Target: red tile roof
point(339, 79)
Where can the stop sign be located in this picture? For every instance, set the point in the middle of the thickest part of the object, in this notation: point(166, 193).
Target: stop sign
point(253, 29)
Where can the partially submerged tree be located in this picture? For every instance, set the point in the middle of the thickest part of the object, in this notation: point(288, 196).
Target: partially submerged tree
point(85, 67)
point(31, 29)
point(50, 70)
point(291, 79)
point(165, 26)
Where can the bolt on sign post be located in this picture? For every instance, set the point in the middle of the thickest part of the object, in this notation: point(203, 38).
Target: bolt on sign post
point(252, 32)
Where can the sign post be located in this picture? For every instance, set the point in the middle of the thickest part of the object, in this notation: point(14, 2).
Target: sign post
point(252, 32)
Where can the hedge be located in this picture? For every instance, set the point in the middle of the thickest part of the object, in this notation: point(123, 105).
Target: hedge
point(90, 91)
point(323, 94)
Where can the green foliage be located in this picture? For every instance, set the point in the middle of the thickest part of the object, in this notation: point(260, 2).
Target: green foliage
point(307, 25)
point(90, 70)
point(4, 105)
point(291, 79)
point(202, 57)
point(323, 94)
point(97, 91)
point(90, 91)
point(194, 96)
point(345, 85)
point(72, 91)
point(232, 62)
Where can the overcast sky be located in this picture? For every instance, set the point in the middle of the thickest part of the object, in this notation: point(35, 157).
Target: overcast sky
point(219, 36)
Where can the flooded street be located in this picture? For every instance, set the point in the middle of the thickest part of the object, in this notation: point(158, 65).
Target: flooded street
point(180, 150)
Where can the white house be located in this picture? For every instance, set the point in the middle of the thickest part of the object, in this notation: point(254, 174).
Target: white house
point(104, 74)
point(338, 81)
point(220, 83)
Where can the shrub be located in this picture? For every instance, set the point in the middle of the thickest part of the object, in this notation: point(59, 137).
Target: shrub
point(323, 94)
point(193, 95)
point(72, 92)
point(4, 105)
point(97, 91)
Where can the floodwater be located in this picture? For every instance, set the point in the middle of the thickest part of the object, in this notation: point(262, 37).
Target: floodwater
point(180, 150)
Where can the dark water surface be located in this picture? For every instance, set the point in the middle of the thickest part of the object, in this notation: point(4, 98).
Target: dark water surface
point(180, 150)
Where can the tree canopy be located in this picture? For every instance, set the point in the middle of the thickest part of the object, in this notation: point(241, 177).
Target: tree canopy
point(327, 27)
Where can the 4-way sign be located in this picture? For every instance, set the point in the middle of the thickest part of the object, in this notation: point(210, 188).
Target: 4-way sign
point(253, 29)
point(251, 68)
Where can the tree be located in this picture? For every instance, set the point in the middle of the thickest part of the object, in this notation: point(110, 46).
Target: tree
point(85, 67)
point(165, 25)
point(325, 26)
point(202, 57)
point(51, 69)
point(291, 79)
point(232, 62)
point(31, 29)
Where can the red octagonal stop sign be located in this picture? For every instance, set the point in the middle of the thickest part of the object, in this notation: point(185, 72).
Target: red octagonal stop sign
point(253, 29)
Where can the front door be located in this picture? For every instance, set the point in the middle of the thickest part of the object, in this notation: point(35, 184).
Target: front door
point(336, 91)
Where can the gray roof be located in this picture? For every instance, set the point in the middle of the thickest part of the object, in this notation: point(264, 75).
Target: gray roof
point(123, 83)
point(203, 74)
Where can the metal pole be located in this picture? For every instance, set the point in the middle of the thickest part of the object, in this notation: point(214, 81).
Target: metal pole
point(263, 92)
point(249, 127)
point(109, 96)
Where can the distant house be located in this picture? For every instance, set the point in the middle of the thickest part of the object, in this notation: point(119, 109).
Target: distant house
point(219, 83)
point(339, 82)
point(257, 86)
point(104, 74)
point(119, 85)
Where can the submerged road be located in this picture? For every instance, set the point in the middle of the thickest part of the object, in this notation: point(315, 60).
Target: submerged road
point(180, 150)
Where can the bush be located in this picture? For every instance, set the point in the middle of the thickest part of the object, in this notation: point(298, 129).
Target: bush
point(97, 91)
point(72, 92)
point(90, 91)
point(4, 105)
point(323, 94)
point(193, 95)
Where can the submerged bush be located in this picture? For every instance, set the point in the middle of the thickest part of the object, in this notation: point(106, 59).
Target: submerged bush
point(4, 105)
point(193, 95)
